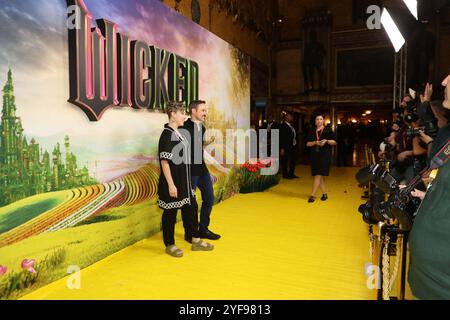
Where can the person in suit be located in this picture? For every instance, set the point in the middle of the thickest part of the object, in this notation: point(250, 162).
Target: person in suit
point(320, 140)
point(288, 146)
point(200, 176)
point(270, 125)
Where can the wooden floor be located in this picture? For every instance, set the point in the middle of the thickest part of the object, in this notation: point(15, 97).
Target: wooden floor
point(275, 245)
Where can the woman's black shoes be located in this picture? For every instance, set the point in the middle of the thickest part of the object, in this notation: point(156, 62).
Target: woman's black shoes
point(312, 198)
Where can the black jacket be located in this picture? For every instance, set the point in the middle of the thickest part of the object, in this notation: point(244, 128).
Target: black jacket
point(269, 127)
point(198, 166)
point(287, 137)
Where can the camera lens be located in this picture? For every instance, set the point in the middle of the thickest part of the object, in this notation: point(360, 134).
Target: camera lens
point(367, 213)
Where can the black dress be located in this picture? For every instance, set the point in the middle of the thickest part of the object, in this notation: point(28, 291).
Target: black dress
point(321, 156)
point(175, 149)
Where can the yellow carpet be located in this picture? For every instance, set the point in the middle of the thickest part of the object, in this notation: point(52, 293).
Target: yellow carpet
point(275, 245)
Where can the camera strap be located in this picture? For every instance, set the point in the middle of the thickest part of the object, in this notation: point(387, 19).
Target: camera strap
point(441, 157)
point(438, 161)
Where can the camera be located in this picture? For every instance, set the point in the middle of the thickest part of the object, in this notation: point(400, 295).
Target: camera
point(388, 202)
point(411, 106)
point(423, 113)
point(430, 129)
point(411, 117)
point(377, 174)
point(429, 121)
point(376, 209)
point(414, 132)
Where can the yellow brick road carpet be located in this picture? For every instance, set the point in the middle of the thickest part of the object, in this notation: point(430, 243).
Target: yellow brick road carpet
point(275, 245)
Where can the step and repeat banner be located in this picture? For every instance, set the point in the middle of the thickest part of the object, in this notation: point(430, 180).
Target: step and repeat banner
point(84, 87)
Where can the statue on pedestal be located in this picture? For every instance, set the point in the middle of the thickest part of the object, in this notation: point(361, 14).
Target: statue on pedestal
point(313, 58)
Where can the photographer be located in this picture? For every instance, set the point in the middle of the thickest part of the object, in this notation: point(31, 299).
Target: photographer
point(429, 274)
point(411, 155)
point(397, 115)
point(406, 100)
point(388, 145)
point(441, 114)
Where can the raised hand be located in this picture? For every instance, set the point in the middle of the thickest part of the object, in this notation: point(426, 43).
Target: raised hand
point(428, 92)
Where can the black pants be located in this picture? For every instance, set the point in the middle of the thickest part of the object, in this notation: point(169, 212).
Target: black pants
point(288, 162)
point(169, 219)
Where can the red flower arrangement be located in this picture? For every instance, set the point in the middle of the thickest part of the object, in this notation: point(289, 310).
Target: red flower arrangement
point(255, 167)
point(252, 178)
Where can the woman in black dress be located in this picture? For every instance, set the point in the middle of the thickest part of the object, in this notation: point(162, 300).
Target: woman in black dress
point(174, 189)
point(320, 141)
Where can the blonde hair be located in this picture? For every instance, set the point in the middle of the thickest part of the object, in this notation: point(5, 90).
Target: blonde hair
point(174, 106)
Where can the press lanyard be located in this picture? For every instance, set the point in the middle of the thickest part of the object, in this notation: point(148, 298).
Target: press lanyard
point(318, 134)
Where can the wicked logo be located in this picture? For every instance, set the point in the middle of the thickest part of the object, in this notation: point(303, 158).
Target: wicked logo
point(109, 69)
